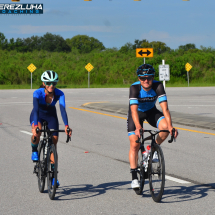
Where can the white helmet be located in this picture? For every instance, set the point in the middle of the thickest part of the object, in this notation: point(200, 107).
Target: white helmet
point(49, 76)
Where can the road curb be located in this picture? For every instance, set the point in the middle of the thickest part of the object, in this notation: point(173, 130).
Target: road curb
point(177, 118)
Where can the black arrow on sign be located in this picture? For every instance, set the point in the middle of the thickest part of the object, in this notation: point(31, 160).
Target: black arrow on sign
point(141, 52)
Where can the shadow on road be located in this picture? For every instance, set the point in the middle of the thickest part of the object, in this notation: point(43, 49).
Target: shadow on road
point(171, 194)
point(87, 190)
point(174, 194)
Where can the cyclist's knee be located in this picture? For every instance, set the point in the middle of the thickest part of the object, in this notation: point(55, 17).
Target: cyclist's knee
point(133, 145)
point(55, 139)
point(163, 125)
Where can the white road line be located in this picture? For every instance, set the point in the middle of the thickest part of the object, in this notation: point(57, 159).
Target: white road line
point(167, 177)
point(26, 132)
point(29, 133)
point(176, 180)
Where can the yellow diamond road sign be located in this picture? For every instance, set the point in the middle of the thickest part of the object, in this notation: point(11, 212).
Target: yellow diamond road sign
point(31, 67)
point(188, 67)
point(89, 67)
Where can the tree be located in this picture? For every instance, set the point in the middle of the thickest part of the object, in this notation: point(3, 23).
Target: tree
point(159, 47)
point(3, 41)
point(85, 44)
point(127, 47)
point(138, 43)
point(54, 43)
point(187, 46)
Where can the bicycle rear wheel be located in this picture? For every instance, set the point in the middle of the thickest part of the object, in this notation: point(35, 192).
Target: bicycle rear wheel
point(156, 173)
point(140, 174)
point(41, 167)
point(52, 172)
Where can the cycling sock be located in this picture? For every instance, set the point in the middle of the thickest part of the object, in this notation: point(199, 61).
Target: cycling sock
point(34, 147)
point(52, 166)
point(134, 174)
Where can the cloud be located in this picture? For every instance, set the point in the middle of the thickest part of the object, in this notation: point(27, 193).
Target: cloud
point(29, 29)
point(172, 39)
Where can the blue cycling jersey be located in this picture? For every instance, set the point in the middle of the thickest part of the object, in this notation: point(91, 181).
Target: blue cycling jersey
point(40, 105)
point(146, 99)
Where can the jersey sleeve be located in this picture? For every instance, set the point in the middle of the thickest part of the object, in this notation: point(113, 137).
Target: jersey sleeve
point(161, 93)
point(63, 108)
point(133, 95)
point(35, 107)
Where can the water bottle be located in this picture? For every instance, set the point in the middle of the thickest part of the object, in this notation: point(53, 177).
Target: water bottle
point(46, 148)
point(148, 149)
point(146, 156)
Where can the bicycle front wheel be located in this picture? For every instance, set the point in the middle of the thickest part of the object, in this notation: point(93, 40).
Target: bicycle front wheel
point(41, 167)
point(156, 173)
point(52, 171)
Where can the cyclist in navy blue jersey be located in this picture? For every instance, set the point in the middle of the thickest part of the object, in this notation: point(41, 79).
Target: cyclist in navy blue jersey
point(44, 101)
point(142, 98)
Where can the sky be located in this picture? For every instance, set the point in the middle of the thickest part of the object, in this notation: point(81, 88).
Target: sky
point(116, 22)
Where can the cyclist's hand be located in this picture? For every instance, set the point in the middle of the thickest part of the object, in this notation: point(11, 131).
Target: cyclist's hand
point(176, 132)
point(70, 132)
point(137, 131)
point(34, 132)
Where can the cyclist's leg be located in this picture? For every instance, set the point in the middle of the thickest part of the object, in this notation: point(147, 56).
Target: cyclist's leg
point(53, 124)
point(133, 152)
point(162, 135)
point(156, 119)
point(34, 145)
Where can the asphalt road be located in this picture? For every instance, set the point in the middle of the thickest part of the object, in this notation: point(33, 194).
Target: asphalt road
point(98, 182)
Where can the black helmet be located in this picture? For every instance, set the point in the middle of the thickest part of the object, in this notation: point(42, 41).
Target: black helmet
point(145, 69)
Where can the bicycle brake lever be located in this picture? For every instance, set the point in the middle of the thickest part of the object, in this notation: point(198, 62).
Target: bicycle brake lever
point(172, 137)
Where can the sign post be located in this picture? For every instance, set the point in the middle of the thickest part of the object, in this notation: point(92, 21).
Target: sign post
point(164, 73)
point(144, 52)
point(31, 68)
point(89, 67)
point(188, 67)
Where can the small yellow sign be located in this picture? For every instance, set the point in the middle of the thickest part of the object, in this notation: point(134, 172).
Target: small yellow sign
point(89, 67)
point(144, 52)
point(31, 67)
point(188, 67)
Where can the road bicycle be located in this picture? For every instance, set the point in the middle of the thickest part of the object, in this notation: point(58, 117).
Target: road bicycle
point(152, 166)
point(47, 164)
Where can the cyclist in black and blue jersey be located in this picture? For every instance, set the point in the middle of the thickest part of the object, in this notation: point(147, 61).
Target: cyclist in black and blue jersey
point(44, 101)
point(142, 98)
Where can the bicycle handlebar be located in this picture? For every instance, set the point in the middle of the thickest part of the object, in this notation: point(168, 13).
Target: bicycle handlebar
point(157, 132)
point(52, 130)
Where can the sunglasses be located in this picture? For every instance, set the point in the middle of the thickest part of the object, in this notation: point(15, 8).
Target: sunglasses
point(51, 83)
point(146, 78)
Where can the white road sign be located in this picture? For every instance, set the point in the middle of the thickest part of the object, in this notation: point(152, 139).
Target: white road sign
point(164, 74)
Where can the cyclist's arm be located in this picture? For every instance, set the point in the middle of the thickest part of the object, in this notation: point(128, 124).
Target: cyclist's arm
point(133, 102)
point(63, 109)
point(35, 108)
point(135, 116)
point(167, 116)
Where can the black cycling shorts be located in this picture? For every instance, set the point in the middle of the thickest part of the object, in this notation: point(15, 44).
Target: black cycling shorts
point(152, 116)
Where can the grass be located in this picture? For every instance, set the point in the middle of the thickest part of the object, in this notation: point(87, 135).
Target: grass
point(176, 84)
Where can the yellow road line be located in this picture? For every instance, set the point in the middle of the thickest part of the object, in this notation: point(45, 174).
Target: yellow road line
point(184, 129)
point(92, 102)
point(98, 113)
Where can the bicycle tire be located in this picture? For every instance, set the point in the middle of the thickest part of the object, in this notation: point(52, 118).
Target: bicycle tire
point(41, 167)
point(156, 174)
point(140, 174)
point(51, 172)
